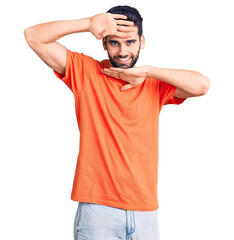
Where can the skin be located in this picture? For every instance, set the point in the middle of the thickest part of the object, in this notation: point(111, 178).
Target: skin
point(42, 38)
point(188, 83)
point(118, 48)
point(104, 24)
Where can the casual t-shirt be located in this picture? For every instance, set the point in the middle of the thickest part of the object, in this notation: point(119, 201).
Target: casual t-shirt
point(117, 163)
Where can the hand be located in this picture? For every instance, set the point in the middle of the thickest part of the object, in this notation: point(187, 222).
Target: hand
point(134, 76)
point(104, 24)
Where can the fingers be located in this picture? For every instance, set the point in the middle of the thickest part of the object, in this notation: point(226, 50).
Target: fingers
point(115, 74)
point(111, 74)
point(126, 29)
point(122, 34)
point(108, 71)
point(124, 22)
point(115, 69)
point(119, 16)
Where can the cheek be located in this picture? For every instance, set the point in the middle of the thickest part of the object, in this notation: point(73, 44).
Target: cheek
point(134, 50)
point(135, 53)
point(111, 52)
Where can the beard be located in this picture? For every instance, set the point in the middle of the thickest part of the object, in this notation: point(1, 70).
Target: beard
point(119, 65)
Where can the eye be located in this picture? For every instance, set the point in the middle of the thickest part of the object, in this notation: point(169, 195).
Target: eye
point(131, 42)
point(114, 43)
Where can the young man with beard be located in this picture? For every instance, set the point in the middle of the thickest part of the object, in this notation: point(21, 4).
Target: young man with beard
point(117, 110)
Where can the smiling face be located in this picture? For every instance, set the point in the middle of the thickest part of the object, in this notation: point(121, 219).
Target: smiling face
point(123, 52)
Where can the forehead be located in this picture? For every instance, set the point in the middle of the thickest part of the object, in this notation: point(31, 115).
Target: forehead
point(132, 35)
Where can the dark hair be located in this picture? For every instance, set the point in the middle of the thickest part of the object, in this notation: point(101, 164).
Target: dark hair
point(132, 14)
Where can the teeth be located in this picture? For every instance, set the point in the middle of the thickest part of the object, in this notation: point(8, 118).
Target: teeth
point(123, 59)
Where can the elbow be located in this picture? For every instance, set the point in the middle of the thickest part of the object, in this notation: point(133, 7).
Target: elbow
point(205, 85)
point(28, 35)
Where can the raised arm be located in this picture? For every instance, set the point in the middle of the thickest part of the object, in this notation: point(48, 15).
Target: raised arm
point(42, 37)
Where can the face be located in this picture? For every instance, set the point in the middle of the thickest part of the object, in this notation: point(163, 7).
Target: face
point(123, 52)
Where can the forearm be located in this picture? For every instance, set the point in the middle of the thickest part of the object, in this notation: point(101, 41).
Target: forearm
point(190, 81)
point(52, 31)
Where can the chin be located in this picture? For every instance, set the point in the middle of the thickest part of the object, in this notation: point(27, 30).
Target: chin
point(127, 66)
point(123, 65)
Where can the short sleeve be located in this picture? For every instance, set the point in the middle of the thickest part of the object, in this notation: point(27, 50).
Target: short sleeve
point(73, 77)
point(166, 94)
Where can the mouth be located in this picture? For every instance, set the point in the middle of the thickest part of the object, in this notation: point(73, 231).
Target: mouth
point(123, 60)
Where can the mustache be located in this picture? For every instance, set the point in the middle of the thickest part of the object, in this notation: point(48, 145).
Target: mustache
point(122, 56)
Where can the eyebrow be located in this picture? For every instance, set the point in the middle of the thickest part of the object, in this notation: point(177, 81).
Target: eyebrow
point(114, 41)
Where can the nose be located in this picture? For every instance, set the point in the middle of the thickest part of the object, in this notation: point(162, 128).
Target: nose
point(123, 51)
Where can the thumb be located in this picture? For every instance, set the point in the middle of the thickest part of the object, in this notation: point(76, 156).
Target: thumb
point(126, 87)
point(102, 34)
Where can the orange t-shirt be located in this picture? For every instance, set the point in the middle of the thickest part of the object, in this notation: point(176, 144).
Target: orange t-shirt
point(117, 164)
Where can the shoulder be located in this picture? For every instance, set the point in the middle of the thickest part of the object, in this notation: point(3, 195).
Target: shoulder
point(82, 56)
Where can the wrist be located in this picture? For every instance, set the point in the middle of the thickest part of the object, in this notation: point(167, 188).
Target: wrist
point(147, 71)
point(82, 25)
point(87, 22)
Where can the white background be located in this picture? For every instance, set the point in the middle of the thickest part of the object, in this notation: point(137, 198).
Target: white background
point(40, 137)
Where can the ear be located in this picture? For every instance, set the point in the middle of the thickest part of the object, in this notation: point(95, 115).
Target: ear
point(104, 43)
point(142, 42)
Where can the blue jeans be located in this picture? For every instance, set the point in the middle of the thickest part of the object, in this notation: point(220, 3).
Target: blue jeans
point(99, 222)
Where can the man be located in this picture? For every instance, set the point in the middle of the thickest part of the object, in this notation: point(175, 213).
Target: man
point(117, 109)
